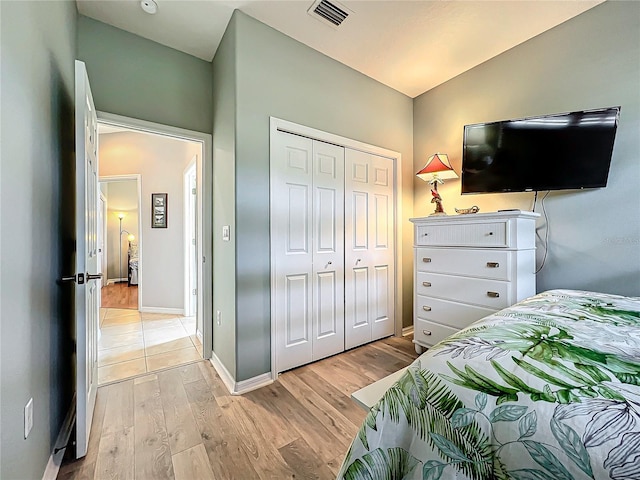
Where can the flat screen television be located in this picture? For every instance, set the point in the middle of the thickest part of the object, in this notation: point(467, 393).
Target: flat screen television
point(551, 152)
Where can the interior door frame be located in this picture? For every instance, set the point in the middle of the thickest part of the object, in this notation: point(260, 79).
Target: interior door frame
point(138, 179)
point(204, 192)
point(279, 125)
point(188, 224)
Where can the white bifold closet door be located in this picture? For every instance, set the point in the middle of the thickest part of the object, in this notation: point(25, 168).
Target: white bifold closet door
point(369, 249)
point(307, 245)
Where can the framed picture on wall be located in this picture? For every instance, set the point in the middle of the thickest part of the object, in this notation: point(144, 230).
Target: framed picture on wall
point(158, 210)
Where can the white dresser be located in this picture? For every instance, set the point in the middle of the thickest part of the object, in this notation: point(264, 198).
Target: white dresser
point(468, 266)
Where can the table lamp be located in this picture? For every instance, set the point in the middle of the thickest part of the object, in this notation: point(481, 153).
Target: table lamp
point(436, 170)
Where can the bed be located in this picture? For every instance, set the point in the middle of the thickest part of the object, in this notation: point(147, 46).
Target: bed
point(132, 259)
point(546, 389)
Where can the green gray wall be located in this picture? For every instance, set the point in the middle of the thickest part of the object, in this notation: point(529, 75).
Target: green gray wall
point(36, 92)
point(138, 78)
point(224, 191)
point(278, 76)
point(588, 62)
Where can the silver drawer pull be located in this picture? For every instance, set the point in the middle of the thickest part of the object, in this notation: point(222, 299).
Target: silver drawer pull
point(426, 259)
point(426, 308)
point(493, 294)
point(493, 264)
point(426, 284)
point(426, 332)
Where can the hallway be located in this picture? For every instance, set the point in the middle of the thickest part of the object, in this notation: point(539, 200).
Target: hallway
point(133, 343)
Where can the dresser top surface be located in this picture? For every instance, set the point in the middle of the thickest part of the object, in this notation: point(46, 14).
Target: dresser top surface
point(500, 215)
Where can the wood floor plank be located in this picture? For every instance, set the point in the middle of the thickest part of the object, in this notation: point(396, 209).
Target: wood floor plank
point(259, 406)
point(326, 415)
point(190, 372)
point(263, 454)
point(181, 426)
point(400, 354)
point(116, 455)
point(152, 452)
point(333, 372)
point(226, 456)
point(402, 343)
point(214, 381)
point(192, 464)
point(118, 413)
point(304, 461)
point(326, 444)
point(338, 400)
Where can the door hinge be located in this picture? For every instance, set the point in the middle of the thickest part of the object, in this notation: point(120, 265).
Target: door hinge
point(193, 241)
point(194, 292)
point(193, 191)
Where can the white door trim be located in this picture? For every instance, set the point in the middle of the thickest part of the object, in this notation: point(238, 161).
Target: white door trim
point(277, 124)
point(187, 220)
point(204, 175)
point(138, 179)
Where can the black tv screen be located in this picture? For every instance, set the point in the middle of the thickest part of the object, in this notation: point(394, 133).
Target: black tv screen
point(551, 152)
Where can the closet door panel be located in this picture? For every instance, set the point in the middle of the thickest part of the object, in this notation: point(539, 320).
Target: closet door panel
point(382, 236)
point(328, 250)
point(369, 247)
point(291, 247)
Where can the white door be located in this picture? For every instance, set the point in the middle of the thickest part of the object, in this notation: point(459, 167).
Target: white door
point(328, 250)
point(308, 249)
point(102, 242)
point(87, 293)
point(291, 249)
point(369, 247)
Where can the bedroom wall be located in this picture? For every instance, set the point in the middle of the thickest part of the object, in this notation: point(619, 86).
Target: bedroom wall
point(587, 62)
point(36, 119)
point(138, 78)
point(224, 145)
point(278, 76)
point(161, 162)
point(122, 197)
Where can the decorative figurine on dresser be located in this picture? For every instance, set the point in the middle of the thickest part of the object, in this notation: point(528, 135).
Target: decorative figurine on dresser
point(468, 266)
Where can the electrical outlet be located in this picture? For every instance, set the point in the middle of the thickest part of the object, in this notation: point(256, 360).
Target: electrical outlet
point(218, 317)
point(28, 417)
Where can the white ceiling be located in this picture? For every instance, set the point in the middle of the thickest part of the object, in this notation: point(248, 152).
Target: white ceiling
point(411, 46)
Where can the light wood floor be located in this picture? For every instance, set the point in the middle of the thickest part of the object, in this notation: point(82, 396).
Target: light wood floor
point(119, 295)
point(181, 423)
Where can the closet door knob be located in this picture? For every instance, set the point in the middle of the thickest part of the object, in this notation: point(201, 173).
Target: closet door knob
point(493, 264)
point(493, 294)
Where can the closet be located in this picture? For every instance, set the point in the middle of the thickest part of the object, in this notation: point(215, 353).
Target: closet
point(332, 250)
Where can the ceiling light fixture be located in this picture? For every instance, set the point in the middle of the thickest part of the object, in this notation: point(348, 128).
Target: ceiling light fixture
point(149, 6)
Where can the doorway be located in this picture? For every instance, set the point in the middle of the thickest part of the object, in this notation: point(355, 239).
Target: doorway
point(162, 329)
point(119, 238)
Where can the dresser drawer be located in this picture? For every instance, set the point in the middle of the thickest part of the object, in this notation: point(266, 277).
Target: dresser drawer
point(488, 263)
point(485, 234)
point(429, 333)
point(455, 315)
point(493, 294)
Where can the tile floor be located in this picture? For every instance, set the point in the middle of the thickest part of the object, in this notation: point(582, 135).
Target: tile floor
point(132, 343)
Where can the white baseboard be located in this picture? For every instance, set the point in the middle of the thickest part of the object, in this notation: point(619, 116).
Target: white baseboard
point(168, 311)
point(243, 386)
point(55, 460)
point(199, 335)
point(407, 331)
point(111, 281)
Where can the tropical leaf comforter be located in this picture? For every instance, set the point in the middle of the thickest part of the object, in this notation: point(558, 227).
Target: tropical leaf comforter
point(546, 389)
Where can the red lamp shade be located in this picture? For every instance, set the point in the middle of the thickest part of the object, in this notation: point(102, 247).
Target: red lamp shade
point(437, 167)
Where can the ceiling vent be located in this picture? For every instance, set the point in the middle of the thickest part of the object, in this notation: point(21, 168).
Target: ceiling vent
point(330, 13)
